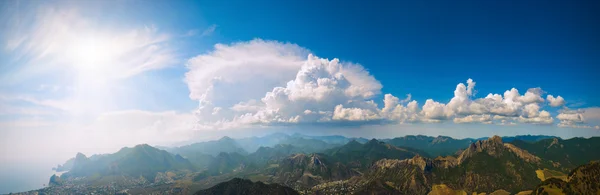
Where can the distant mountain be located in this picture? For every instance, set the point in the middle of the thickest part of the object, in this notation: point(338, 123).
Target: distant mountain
point(527, 138)
point(357, 155)
point(308, 145)
point(273, 154)
point(203, 153)
point(199, 160)
point(214, 148)
point(584, 179)
point(141, 160)
point(251, 144)
point(242, 186)
point(226, 163)
point(566, 154)
point(332, 139)
point(434, 146)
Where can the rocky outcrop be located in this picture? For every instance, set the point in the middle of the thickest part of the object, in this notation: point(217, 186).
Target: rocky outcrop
point(492, 146)
point(418, 161)
point(523, 154)
point(555, 143)
point(55, 181)
point(445, 162)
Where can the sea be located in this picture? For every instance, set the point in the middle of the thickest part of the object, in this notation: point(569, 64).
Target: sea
point(25, 176)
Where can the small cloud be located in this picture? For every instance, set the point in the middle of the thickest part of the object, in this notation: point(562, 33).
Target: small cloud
point(209, 31)
point(190, 33)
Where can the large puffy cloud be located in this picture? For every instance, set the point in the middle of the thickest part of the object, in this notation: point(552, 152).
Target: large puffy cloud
point(320, 87)
point(324, 90)
point(249, 83)
point(434, 110)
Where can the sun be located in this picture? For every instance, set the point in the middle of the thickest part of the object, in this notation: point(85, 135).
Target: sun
point(92, 53)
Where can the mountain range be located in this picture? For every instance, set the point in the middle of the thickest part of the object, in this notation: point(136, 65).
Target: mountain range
point(339, 165)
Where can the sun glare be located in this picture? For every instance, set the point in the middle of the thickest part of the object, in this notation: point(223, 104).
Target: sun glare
point(92, 53)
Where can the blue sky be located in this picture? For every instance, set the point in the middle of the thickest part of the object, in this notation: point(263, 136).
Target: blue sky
point(500, 44)
point(94, 76)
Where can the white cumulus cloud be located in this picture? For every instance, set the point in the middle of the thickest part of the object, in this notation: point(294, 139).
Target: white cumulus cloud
point(555, 102)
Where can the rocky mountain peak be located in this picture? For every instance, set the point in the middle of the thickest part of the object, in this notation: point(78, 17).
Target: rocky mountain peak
point(419, 161)
point(80, 156)
point(496, 139)
point(142, 147)
point(226, 138)
point(492, 146)
point(373, 142)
